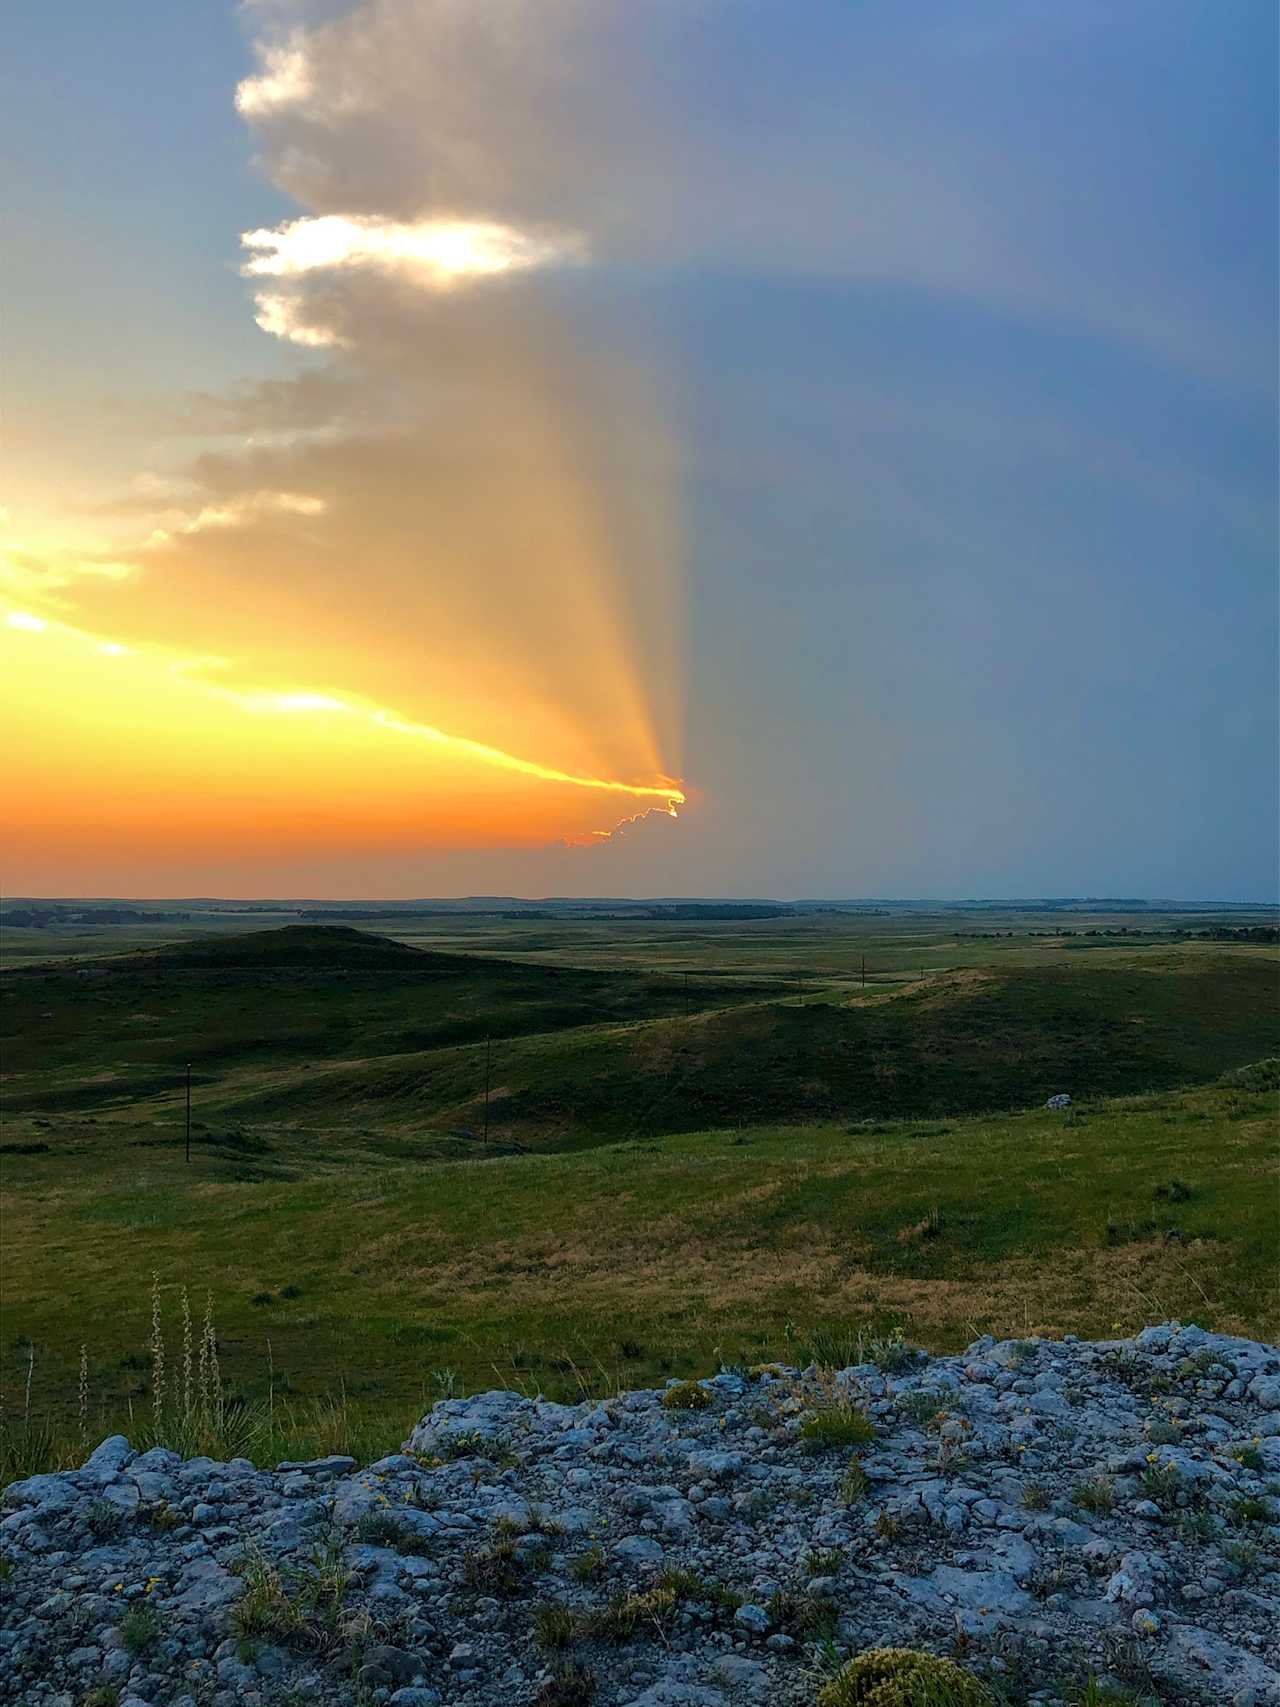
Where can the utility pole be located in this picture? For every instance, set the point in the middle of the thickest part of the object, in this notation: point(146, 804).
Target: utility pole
point(188, 1113)
point(488, 1079)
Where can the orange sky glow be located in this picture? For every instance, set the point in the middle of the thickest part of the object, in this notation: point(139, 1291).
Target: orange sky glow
point(129, 757)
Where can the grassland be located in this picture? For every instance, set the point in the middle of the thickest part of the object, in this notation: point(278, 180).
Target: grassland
point(627, 1262)
point(664, 1173)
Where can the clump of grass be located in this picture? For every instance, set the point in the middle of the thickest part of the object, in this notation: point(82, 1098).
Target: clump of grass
point(891, 1353)
point(835, 1426)
point(1250, 1509)
point(922, 1408)
point(499, 1568)
point(265, 1609)
point(903, 1677)
point(552, 1627)
point(806, 1617)
point(626, 1614)
point(589, 1565)
point(1242, 1555)
point(1247, 1455)
point(570, 1685)
point(473, 1445)
point(823, 1562)
point(1096, 1694)
point(686, 1396)
point(1197, 1527)
point(384, 1529)
point(303, 1605)
point(887, 1527)
point(1035, 1498)
point(1162, 1432)
point(1162, 1483)
point(853, 1484)
point(101, 1695)
point(140, 1627)
point(685, 1585)
point(1097, 1495)
point(159, 1515)
point(103, 1520)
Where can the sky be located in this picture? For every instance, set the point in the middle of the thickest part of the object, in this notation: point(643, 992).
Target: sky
point(603, 447)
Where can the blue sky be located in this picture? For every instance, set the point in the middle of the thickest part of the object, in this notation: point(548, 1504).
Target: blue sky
point(951, 330)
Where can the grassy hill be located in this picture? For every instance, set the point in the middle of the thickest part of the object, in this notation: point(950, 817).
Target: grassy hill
point(960, 1044)
point(117, 1028)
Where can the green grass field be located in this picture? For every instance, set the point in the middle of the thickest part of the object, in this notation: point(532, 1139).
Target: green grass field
point(671, 1175)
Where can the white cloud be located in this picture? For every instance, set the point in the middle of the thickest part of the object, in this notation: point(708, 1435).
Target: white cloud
point(284, 81)
point(286, 317)
point(433, 252)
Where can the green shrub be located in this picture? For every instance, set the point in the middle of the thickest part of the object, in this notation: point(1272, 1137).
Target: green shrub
point(902, 1677)
point(835, 1426)
point(686, 1396)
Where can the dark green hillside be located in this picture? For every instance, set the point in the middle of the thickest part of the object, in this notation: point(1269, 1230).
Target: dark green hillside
point(292, 997)
point(962, 1045)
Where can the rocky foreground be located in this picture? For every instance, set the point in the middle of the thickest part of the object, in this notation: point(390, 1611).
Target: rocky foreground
point(1042, 1511)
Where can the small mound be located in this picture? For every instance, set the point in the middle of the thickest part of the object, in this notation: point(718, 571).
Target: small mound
point(291, 946)
point(902, 1677)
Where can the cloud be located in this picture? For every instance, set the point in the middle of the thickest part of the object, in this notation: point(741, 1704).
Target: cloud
point(436, 253)
point(433, 254)
point(1001, 162)
point(283, 81)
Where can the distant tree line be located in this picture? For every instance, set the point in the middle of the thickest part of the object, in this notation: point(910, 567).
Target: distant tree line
point(41, 918)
